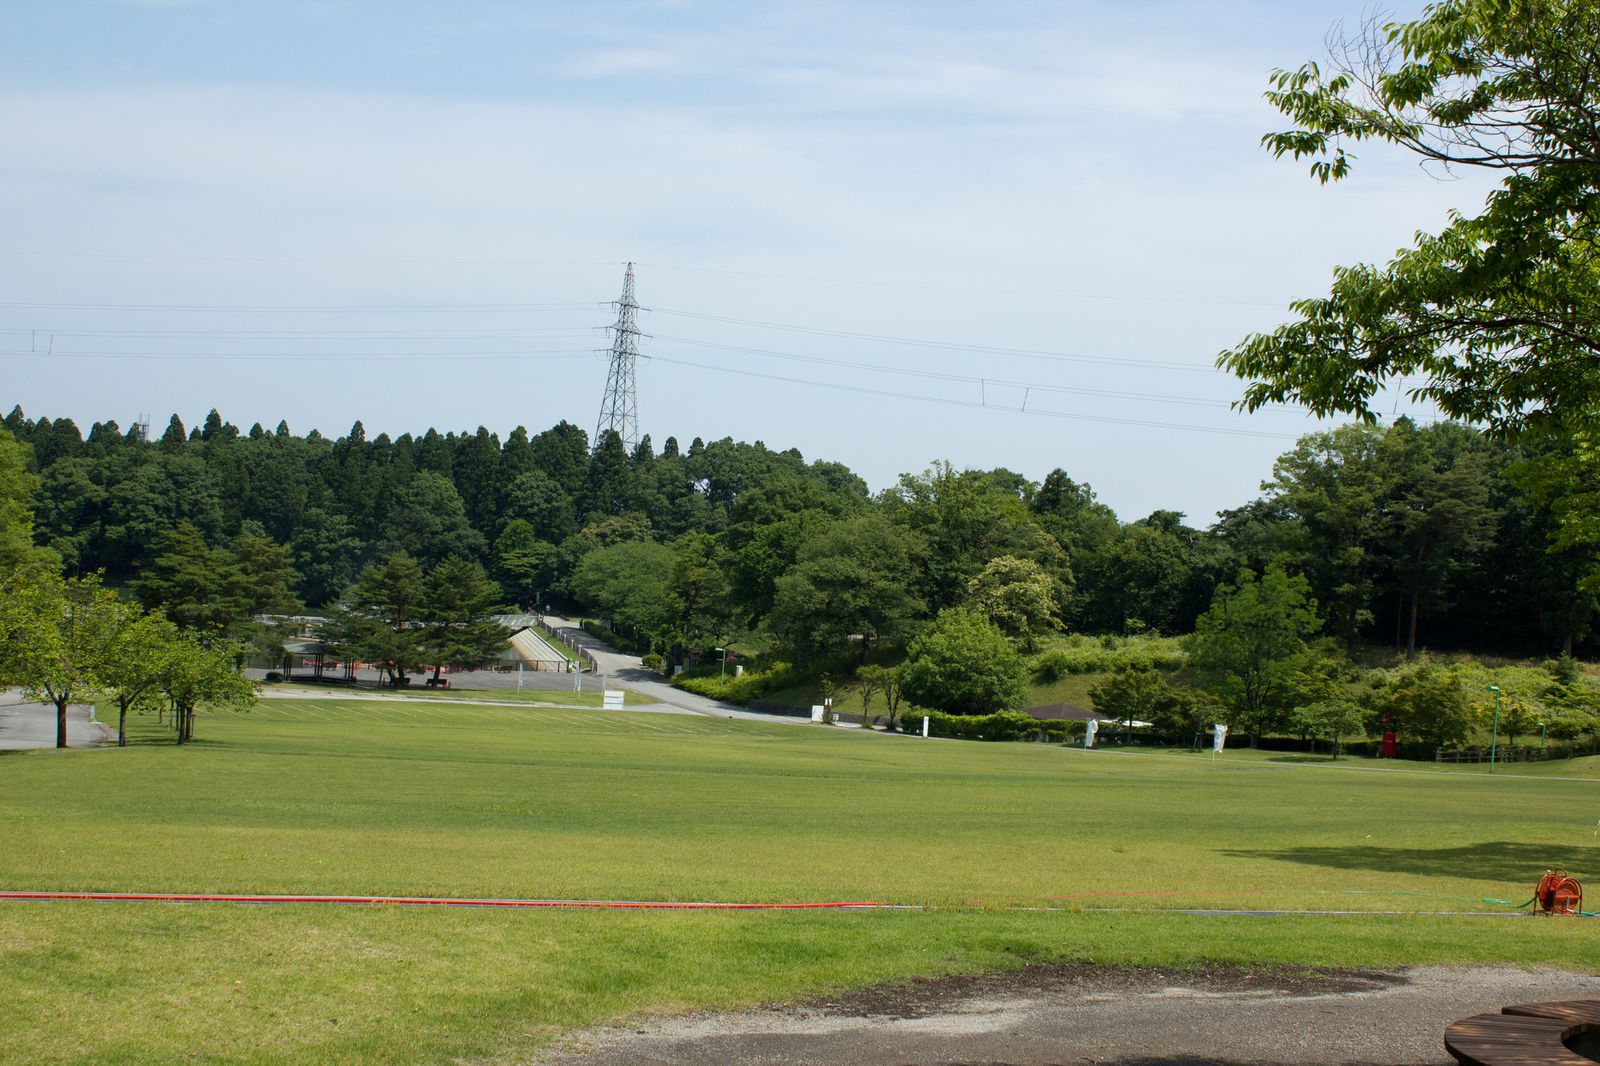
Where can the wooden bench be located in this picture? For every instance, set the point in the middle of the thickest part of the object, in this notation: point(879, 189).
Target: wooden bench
point(1530, 1034)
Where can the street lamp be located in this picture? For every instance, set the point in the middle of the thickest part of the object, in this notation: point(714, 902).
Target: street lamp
point(722, 671)
point(1494, 730)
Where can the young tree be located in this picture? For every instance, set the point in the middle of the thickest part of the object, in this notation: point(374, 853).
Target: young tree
point(54, 636)
point(963, 664)
point(1129, 696)
point(204, 672)
point(459, 630)
point(1251, 641)
point(378, 618)
point(138, 657)
point(1428, 703)
point(1331, 720)
point(884, 679)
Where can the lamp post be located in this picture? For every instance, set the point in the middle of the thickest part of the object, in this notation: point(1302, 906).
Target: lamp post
point(722, 671)
point(1494, 730)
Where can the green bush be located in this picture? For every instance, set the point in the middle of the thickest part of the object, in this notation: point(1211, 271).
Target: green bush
point(654, 662)
point(707, 681)
point(1002, 725)
point(1108, 655)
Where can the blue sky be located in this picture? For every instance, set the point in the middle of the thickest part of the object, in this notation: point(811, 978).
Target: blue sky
point(416, 214)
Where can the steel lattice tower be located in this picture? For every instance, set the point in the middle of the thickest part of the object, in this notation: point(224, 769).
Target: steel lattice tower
point(619, 408)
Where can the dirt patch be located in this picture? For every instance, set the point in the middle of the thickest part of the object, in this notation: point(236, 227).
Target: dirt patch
point(1075, 1013)
point(1086, 982)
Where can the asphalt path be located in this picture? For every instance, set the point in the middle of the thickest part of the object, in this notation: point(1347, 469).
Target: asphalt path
point(26, 725)
point(628, 671)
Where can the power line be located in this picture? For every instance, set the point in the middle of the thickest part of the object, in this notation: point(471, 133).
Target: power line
point(556, 353)
point(815, 279)
point(968, 289)
point(1031, 413)
point(951, 346)
point(297, 260)
point(294, 308)
point(506, 333)
point(935, 375)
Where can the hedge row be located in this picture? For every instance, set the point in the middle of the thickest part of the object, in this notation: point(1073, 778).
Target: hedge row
point(709, 682)
point(1003, 725)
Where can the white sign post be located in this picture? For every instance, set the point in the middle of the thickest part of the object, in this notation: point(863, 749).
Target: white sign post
point(816, 712)
point(612, 700)
point(1090, 728)
point(924, 727)
point(1218, 739)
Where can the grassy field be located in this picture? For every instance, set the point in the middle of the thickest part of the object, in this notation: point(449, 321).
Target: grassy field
point(1010, 847)
point(540, 696)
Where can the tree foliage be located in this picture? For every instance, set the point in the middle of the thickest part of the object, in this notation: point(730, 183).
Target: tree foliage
point(1498, 314)
point(963, 664)
point(1251, 642)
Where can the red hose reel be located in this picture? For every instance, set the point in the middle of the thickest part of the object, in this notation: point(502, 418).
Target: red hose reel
point(1558, 893)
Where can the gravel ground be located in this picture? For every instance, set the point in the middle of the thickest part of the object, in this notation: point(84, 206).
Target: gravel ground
point(1071, 1014)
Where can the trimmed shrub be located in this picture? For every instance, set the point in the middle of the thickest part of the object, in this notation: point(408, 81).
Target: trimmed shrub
point(705, 681)
point(1002, 725)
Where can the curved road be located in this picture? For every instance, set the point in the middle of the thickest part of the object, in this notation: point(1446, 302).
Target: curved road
point(628, 671)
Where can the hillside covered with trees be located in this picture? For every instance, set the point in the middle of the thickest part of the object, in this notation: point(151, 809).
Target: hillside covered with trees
point(1408, 536)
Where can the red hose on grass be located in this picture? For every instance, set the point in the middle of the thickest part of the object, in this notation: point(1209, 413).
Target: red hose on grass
point(444, 901)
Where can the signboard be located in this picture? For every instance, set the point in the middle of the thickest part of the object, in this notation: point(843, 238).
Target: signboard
point(1090, 728)
point(612, 700)
point(1220, 738)
point(816, 712)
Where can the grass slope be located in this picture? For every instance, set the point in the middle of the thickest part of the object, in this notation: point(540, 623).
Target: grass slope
point(328, 796)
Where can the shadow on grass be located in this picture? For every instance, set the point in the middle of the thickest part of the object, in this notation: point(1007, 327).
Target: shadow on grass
point(1494, 861)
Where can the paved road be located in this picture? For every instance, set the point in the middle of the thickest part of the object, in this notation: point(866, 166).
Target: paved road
point(629, 672)
point(33, 725)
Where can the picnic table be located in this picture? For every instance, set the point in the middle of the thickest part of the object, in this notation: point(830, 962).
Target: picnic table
point(1530, 1034)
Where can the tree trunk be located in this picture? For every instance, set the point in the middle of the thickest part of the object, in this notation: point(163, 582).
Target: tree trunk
point(61, 719)
point(122, 723)
point(1416, 596)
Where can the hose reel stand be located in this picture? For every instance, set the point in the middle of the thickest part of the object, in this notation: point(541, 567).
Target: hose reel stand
point(1558, 892)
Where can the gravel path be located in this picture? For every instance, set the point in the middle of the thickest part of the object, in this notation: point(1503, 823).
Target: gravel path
point(1092, 1014)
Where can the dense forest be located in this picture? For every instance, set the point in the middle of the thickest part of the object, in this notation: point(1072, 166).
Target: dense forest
point(1408, 536)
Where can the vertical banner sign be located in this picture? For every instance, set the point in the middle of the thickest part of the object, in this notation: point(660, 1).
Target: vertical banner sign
point(1219, 738)
point(1090, 728)
point(924, 727)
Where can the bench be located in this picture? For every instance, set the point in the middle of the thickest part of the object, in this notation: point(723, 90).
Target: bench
point(1531, 1034)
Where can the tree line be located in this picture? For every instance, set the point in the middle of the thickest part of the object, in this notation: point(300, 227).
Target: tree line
point(1408, 535)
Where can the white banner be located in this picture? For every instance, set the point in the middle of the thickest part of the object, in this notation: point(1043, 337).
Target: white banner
point(1220, 738)
point(612, 700)
point(1090, 728)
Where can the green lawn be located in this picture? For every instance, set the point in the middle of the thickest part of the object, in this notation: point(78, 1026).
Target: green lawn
point(550, 697)
point(340, 796)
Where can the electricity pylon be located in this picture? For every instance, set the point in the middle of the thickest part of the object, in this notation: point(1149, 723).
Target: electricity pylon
point(619, 407)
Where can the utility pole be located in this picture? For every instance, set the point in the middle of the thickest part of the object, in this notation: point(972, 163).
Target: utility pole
point(619, 407)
